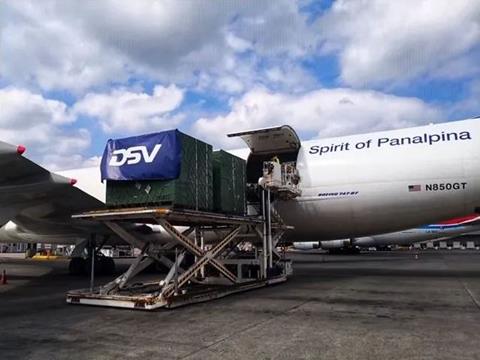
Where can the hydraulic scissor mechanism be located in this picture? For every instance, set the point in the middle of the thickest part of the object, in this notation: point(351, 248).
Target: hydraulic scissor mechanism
point(239, 255)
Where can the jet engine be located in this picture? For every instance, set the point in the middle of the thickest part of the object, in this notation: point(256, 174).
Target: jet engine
point(342, 246)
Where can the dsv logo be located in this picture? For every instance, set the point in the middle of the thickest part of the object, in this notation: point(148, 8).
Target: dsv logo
point(133, 155)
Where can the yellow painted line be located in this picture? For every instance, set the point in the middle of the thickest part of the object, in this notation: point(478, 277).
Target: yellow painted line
point(48, 257)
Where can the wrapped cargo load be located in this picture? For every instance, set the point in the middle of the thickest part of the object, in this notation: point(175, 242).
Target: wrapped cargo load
point(229, 183)
point(168, 168)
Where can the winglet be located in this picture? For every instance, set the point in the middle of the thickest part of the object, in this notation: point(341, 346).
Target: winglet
point(21, 149)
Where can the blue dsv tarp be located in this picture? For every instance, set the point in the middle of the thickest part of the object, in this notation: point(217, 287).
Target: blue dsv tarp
point(154, 156)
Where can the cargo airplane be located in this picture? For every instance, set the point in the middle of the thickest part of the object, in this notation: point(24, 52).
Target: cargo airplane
point(440, 231)
point(351, 186)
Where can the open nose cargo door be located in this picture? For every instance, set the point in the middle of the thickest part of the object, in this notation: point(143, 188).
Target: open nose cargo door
point(270, 141)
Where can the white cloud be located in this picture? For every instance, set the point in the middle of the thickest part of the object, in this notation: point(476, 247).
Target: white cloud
point(275, 28)
point(240, 76)
point(229, 84)
point(289, 77)
point(56, 162)
point(237, 44)
point(123, 111)
point(325, 113)
point(21, 108)
point(382, 42)
point(36, 122)
point(41, 48)
point(84, 46)
point(79, 45)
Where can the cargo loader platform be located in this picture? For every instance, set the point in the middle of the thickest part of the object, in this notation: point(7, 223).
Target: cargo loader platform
point(208, 256)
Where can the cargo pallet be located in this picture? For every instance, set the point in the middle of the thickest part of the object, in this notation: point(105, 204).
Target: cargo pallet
point(232, 272)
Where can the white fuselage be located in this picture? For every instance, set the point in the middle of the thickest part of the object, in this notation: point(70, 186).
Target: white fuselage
point(375, 185)
point(368, 184)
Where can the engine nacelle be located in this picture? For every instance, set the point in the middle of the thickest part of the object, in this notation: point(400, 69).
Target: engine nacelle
point(306, 245)
point(335, 244)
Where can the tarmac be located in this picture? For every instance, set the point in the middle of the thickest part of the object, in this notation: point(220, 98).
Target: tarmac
point(376, 305)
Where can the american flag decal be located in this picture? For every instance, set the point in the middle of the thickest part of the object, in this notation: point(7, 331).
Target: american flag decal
point(414, 188)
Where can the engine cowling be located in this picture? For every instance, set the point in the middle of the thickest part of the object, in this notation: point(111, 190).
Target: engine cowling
point(306, 245)
point(335, 244)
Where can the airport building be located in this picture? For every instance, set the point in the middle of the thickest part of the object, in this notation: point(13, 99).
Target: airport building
point(13, 248)
point(468, 242)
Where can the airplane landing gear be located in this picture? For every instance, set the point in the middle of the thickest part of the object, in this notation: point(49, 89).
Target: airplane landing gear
point(107, 265)
point(76, 266)
point(81, 261)
point(104, 265)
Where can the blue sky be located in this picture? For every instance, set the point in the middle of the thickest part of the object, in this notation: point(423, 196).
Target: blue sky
point(73, 74)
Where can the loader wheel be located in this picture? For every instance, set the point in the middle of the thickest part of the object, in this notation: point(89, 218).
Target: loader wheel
point(107, 265)
point(76, 266)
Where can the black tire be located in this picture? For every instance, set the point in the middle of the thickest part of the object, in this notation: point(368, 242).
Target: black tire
point(156, 268)
point(98, 266)
point(76, 266)
point(107, 265)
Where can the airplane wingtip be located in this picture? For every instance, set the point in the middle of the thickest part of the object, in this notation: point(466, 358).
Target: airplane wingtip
point(73, 181)
point(21, 149)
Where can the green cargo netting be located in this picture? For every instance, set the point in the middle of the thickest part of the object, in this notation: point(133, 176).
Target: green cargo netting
point(192, 190)
point(229, 177)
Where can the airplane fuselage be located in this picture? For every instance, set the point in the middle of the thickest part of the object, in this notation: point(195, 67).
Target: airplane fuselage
point(382, 182)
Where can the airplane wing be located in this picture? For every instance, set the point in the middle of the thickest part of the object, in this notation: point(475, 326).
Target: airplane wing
point(36, 198)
